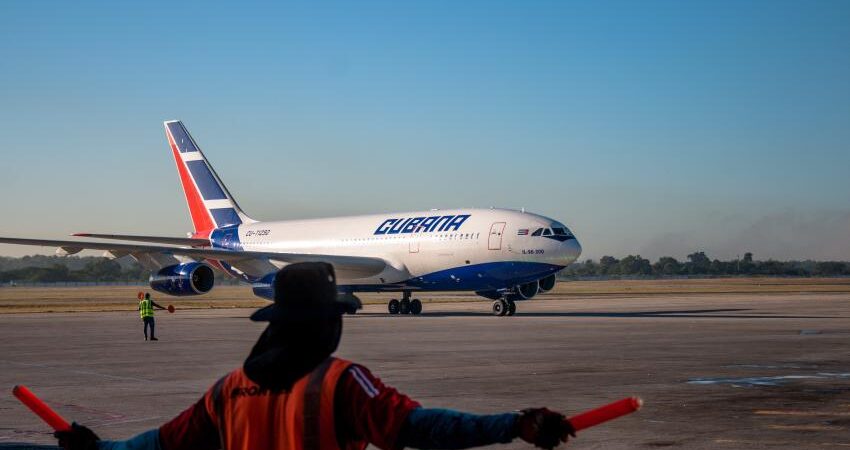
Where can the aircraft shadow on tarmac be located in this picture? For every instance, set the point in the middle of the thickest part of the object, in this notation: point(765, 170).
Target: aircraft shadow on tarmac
point(669, 314)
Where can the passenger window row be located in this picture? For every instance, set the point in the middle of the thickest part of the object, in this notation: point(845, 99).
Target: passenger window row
point(442, 237)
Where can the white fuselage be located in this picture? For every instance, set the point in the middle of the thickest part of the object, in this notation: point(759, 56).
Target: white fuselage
point(424, 253)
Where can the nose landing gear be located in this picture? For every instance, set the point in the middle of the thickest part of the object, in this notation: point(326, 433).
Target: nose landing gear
point(405, 305)
point(504, 307)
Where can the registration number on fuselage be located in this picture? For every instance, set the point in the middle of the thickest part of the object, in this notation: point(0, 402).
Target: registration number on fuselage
point(533, 251)
point(258, 233)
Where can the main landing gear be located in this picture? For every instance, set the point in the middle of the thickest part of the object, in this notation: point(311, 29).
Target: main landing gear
point(405, 305)
point(504, 307)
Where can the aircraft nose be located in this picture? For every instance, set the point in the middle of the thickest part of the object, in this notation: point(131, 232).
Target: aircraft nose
point(571, 250)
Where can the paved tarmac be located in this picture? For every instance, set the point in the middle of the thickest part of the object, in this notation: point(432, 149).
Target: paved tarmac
point(719, 371)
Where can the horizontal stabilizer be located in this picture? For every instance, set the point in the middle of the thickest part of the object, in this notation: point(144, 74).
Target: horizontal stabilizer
point(189, 242)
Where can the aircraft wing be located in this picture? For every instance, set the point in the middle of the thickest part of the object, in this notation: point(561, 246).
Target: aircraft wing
point(190, 242)
point(356, 266)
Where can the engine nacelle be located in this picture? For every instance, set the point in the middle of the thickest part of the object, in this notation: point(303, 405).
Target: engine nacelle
point(183, 279)
point(525, 291)
point(264, 287)
point(547, 284)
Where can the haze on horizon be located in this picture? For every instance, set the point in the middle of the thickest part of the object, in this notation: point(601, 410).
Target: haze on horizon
point(653, 128)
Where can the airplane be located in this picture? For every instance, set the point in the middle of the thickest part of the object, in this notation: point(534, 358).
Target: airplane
point(500, 254)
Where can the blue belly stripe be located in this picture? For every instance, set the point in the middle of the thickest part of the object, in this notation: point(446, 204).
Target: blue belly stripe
point(474, 277)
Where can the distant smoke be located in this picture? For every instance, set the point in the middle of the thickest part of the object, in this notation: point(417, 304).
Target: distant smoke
point(790, 235)
point(673, 244)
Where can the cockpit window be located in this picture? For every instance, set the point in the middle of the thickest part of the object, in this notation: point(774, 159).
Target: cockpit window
point(558, 233)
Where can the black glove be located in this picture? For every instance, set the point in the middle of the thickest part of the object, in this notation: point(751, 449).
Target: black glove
point(544, 428)
point(77, 438)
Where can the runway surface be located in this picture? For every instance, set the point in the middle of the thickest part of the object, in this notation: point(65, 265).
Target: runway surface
point(716, 371)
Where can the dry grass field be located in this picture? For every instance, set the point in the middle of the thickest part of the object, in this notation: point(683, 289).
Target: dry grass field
point(706, 286)
point(123, 298)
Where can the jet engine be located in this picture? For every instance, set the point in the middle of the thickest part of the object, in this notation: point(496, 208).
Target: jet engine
point(547, 284)
point(521, 292)
point(525, 291)
point(183, 279)
point(264, 287)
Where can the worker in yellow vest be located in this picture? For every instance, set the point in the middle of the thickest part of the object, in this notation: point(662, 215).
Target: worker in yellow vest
point(146, 306)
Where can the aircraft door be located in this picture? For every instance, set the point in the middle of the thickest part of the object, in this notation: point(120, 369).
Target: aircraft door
point(414, 240)
point(494, 242)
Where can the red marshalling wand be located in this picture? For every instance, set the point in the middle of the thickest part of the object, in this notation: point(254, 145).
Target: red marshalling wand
point(605, 413)
point(40, 408)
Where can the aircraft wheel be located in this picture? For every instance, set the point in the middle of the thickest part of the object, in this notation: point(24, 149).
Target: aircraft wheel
point(393, 306)
point(404, 306)
point(511, 308)
point(353, 303)
point(500, 308)
point(415, 307)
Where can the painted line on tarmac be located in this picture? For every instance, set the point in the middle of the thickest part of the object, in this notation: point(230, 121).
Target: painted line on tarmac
point(800, 413)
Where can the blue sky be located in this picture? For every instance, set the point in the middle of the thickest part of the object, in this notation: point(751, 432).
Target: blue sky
point(648, 127)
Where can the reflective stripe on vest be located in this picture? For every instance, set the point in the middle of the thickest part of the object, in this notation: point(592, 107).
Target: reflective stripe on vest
point(145, 308)
point(250, 418)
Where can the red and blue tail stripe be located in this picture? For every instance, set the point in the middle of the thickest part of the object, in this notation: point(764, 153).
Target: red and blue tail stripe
point(210, 204)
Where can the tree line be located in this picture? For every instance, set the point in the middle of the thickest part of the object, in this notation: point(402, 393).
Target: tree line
point(84, 269)
point(49, 269)
point(699, 264)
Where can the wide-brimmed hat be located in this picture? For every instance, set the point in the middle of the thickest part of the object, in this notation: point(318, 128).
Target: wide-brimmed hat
point(305, 291)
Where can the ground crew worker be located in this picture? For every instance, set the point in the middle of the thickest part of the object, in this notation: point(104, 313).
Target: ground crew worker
point(290, 393)
point(146, 306)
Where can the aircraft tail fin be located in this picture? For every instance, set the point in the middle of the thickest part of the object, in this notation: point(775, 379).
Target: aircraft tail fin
point(210, 204)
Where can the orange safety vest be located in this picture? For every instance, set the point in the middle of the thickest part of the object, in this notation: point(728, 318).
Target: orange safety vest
point(251, 418)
